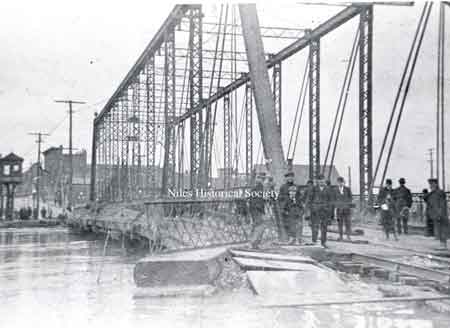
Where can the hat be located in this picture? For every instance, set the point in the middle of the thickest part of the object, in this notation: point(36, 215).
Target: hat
point(340, 179)
point(320, 177)
point(289, 174)
point(433, 180)
point(388, 181)
point(309, 182)
point(401, 181)
point(261, 174)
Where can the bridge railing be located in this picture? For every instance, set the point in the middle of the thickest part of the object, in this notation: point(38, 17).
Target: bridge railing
point(191, 224)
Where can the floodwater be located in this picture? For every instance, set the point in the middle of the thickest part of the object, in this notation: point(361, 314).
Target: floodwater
point(50, 278)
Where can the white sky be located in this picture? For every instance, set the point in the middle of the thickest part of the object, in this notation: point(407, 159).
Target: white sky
point(82, 50)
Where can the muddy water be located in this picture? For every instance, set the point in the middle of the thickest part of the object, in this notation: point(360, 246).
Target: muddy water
point(49, 278)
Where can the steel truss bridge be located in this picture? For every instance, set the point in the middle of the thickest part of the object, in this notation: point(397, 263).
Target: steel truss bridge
point(160, 129)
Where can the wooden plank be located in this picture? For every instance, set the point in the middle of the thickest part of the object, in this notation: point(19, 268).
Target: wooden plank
point(272, 265)
point(360, 301)
point(271, 256)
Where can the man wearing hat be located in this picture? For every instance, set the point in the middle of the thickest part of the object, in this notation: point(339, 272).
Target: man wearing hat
point(321, 204)
point(273, 204)
point(344, 198)
point(257, 210)
point(403, 202)
point(283, 197)
point(385, 191)
point(436, 201)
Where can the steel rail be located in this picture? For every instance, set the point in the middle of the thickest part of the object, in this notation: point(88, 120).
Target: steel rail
point(413, 270)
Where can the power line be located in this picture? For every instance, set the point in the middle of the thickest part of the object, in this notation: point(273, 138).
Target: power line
point(431, 161)
point(39, 141)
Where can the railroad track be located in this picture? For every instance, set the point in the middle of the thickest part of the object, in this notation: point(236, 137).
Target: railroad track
point(424, 273)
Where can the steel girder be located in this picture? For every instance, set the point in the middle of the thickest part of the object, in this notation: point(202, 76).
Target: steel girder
point(365, 104)
point(248, 132)
point(334, 22)
point(314, 108)
point(150, 126)
point(276, 85)
point(227, 142)
point(168, 178)
point(195, 94)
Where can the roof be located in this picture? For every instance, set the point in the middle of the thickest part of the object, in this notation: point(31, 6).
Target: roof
point(51, 149)
point(11, 157)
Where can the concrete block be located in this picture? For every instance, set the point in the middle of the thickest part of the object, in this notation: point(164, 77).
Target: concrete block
point(186, 268)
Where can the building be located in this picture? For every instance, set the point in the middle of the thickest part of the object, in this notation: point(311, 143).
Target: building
point(54, 181)
point(301, 172)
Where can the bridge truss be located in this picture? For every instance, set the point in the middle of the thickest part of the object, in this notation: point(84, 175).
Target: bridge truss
point(159, 130)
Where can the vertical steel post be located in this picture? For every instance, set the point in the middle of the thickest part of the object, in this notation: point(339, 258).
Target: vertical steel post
point(151, 124)
point(365, 106)
point(195, 93)
point(314, 108)
point(227, 152)
point(168, 178)
point(248, 132)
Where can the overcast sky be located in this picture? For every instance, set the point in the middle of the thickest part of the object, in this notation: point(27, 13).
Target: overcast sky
point(81, 50)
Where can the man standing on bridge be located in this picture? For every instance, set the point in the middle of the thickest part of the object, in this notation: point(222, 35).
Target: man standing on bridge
point(385, 191)
point(257, 210)
point(343, 208)
point(437, 210)
point(283, 198)
point(403, 202)
point(321, 203)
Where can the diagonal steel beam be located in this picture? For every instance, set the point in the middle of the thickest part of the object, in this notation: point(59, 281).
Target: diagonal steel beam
point(260, 82)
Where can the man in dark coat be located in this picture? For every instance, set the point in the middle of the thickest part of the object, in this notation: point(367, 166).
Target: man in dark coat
point(437, 209)
point(283, 197)
point(403, 203)
point(274, 206)
point(293, 212)
point(386, 190)
point(257, 211)
point(429, 231)
point(321, 204)
point(343, 201)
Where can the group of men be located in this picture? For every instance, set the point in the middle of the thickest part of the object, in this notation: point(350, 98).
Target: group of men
point(396, 204)
point(318, 202)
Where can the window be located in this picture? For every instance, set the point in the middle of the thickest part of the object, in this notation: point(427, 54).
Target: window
point(6, 170)
point(16, 168)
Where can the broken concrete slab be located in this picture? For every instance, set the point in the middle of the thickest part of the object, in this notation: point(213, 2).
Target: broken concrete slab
point(271, 265)
point(195, 267)
point(282, 286)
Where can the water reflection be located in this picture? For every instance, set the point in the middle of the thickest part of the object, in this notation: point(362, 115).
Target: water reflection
point(48, 278)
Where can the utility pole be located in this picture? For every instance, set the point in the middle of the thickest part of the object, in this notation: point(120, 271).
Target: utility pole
point(38, 174)
point(70, 102)
point(349, 177)
point(431, 161)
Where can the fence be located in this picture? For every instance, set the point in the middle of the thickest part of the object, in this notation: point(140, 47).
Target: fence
point(190, 224)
